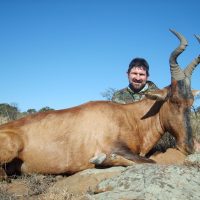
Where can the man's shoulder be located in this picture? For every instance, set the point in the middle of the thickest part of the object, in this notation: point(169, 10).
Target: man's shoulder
point(121, 91)
point(124, 92)
point(152, 86)
point(122, 96)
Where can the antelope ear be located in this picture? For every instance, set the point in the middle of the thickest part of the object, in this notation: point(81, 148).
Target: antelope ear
point(195, 92)
point(158, 95)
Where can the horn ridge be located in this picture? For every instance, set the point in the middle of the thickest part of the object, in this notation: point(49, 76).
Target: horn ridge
point(189, 69)
point(176, 72)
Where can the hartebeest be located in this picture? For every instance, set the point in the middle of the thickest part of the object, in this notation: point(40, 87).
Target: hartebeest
point(102, 133)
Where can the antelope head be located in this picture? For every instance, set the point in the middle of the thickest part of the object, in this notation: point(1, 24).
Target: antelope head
point(181, 97)
point(178, 98)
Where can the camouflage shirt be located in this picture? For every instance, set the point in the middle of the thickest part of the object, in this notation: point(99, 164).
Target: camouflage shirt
point(127, 95)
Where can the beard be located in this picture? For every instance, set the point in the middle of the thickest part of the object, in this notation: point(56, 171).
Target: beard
point(136, 86)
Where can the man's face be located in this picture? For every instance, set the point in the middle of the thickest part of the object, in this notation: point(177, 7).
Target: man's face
point(137, 77)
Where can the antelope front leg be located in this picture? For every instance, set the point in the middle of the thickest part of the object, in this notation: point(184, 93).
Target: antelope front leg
point(118, 160)
point(110, 160)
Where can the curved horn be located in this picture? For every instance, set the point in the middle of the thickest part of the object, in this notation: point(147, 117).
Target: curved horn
point(189, 69)
point(176, 72)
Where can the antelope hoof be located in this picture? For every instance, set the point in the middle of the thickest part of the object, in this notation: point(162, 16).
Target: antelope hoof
point(98, 159)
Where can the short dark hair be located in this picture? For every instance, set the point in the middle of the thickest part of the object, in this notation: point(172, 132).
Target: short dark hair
point(139, 62)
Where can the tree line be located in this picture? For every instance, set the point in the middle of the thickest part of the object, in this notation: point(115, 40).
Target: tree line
point(12, 112)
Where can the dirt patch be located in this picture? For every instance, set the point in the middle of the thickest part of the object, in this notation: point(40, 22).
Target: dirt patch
point(171, 156)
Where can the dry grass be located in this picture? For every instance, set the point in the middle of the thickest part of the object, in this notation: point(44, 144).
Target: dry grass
point(37, 187)
point(26, 186)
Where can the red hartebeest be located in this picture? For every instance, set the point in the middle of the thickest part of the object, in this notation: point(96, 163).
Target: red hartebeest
point(101, 132)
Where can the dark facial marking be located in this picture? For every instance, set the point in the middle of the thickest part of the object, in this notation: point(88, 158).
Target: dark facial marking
point(187, 123)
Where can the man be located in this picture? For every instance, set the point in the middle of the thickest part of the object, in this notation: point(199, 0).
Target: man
point(138, 73)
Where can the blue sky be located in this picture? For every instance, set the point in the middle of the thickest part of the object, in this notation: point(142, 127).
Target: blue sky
point(62, 53)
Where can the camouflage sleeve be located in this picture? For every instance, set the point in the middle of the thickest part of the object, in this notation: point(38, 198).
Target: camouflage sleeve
point(152, 86)
point(117, 97)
